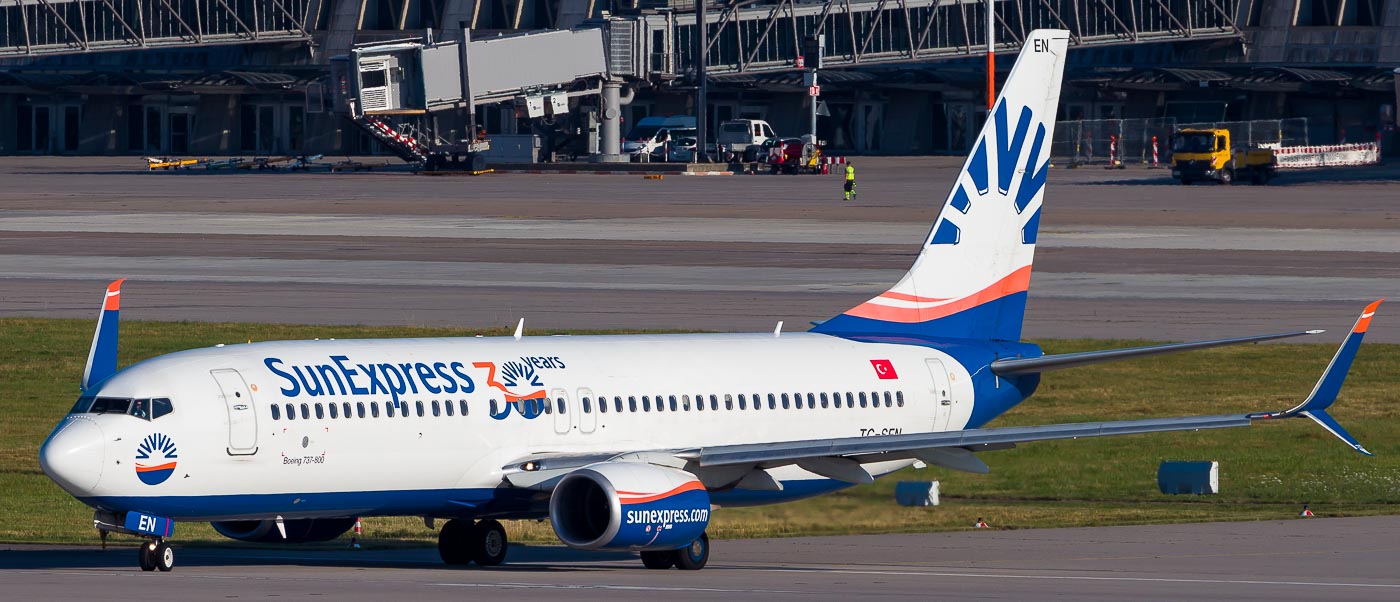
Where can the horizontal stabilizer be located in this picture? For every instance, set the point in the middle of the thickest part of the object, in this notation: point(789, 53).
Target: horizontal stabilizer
point(1046, 363)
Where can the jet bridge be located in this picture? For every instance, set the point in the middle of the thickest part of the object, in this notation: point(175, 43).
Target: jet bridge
point(398, 91)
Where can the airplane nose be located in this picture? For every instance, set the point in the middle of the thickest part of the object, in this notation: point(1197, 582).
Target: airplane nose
point(73, 457)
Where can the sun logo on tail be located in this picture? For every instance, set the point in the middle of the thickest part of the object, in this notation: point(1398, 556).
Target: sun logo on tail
point(1007, 147)
point(155, 459)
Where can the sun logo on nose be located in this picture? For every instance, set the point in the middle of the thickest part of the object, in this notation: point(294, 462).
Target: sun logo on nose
point(155, 459)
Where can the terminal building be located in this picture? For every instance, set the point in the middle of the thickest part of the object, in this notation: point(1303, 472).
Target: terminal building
point(900, 77)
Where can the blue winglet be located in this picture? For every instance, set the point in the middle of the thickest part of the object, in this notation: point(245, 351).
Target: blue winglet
point(1328, 422)
point(1324, 393)
point(102, 357)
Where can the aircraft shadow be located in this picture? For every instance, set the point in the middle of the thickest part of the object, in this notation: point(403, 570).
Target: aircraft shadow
point(520, 558)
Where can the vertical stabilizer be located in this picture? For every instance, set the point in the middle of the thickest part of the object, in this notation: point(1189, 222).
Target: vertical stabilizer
point(971, 278)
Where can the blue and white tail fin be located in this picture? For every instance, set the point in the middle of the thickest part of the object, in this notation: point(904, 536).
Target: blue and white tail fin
point(971, 278)
point(102, 356)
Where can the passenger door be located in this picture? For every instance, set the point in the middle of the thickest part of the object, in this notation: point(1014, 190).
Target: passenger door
point(587, 411)
point(563, 414)
point(242, 418)
point(942, 394)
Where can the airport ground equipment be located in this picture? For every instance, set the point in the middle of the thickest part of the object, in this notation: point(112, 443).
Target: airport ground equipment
point(1199, 478)
point(1199, 155)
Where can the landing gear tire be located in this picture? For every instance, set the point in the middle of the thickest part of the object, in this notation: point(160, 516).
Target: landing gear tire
point(490, 543)
point(694, 556)
point(1226, 177)
point(147, 555)
point(164, 557)
point(659, 560)
point(455, 542)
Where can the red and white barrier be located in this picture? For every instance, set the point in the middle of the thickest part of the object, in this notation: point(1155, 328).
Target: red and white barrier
point(834, 160)
point(1154, 151)
point(1333, 155)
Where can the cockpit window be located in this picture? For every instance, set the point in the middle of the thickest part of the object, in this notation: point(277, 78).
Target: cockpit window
point(145, 409)
point(83, 404)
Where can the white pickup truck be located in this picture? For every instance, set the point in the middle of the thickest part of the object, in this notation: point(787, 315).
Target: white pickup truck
point(742, 139)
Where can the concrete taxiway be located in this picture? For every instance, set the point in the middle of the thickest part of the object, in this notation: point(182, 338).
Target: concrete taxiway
point(1315, 559)
point(1122, 253)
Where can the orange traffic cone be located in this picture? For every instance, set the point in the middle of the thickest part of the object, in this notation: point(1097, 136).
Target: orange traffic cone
point(1306, 513)
point(355, 539)
point(981, 524)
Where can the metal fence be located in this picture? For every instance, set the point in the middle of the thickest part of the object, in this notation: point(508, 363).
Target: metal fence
point(1147, 141)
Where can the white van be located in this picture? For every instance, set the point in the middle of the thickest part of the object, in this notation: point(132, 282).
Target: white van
point(651, 133)
point(736, 136)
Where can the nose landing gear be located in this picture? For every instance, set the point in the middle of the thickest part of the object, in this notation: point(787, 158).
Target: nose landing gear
point(156, 554)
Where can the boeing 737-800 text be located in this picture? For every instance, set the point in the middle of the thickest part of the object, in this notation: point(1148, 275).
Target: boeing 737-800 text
point(623, 442)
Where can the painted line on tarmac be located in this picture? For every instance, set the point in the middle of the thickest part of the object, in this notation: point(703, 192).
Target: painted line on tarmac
point(1085, 578)
point(630, 588)
point(701, 229)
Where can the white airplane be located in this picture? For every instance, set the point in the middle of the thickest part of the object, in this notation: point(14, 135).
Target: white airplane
point(623, 442)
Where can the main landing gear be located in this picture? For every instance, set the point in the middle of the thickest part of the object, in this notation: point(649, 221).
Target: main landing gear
point(464, 542)
point(690, 558)
point(155, 554)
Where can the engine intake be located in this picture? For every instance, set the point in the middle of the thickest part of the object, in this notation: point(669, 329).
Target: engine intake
point(303, 530)
point(629, 506)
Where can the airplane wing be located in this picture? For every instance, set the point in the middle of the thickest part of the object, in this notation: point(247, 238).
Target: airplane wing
point(840, 458)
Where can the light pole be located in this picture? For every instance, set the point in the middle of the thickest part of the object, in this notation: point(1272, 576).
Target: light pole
point(701, 93)
point(991, 58)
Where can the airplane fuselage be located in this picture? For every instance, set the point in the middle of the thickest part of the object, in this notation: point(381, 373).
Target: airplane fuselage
point(424, 426)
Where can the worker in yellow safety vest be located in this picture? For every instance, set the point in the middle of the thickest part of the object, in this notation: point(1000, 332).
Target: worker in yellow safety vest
point(850, 181)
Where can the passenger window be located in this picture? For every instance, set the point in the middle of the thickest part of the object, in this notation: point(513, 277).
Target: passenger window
point(714, 403)
point(360, 409)
point(559, 405)
point(587, 409)
point(446, 405)
point(276, 412)
point(899, 398)
point(320, 412)
point(850, 400)
point(603, 404)
point(797, 400)
point(824, 400)
point(646, 403)
point(785, 401)
point(699, 403)
point(161, 406)
point(291, 412)
point(388, 410)
point(757, 401)
point(463, 403)
point(874, 399)
point(673, 403)
point(741, 402)
point(685, 402)
point(544, 405)
point(419, 406)
point(494, 409)
point(889, 401)
point(335, 413)
point(811, 401)
point(436, 411)
point(305, 412)
point(617, 403)
point(772, 402)
point(631, 404)
point(374, 409)
point(728, 401)
point(862, 399)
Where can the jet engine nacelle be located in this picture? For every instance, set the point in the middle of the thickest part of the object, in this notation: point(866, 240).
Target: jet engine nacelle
point(629, 506)
point(303, 530)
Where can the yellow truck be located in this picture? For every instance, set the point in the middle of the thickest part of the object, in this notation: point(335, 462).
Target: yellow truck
point(1199, 155)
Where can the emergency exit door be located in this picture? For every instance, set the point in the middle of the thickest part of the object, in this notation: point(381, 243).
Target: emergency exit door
point(242, 418)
